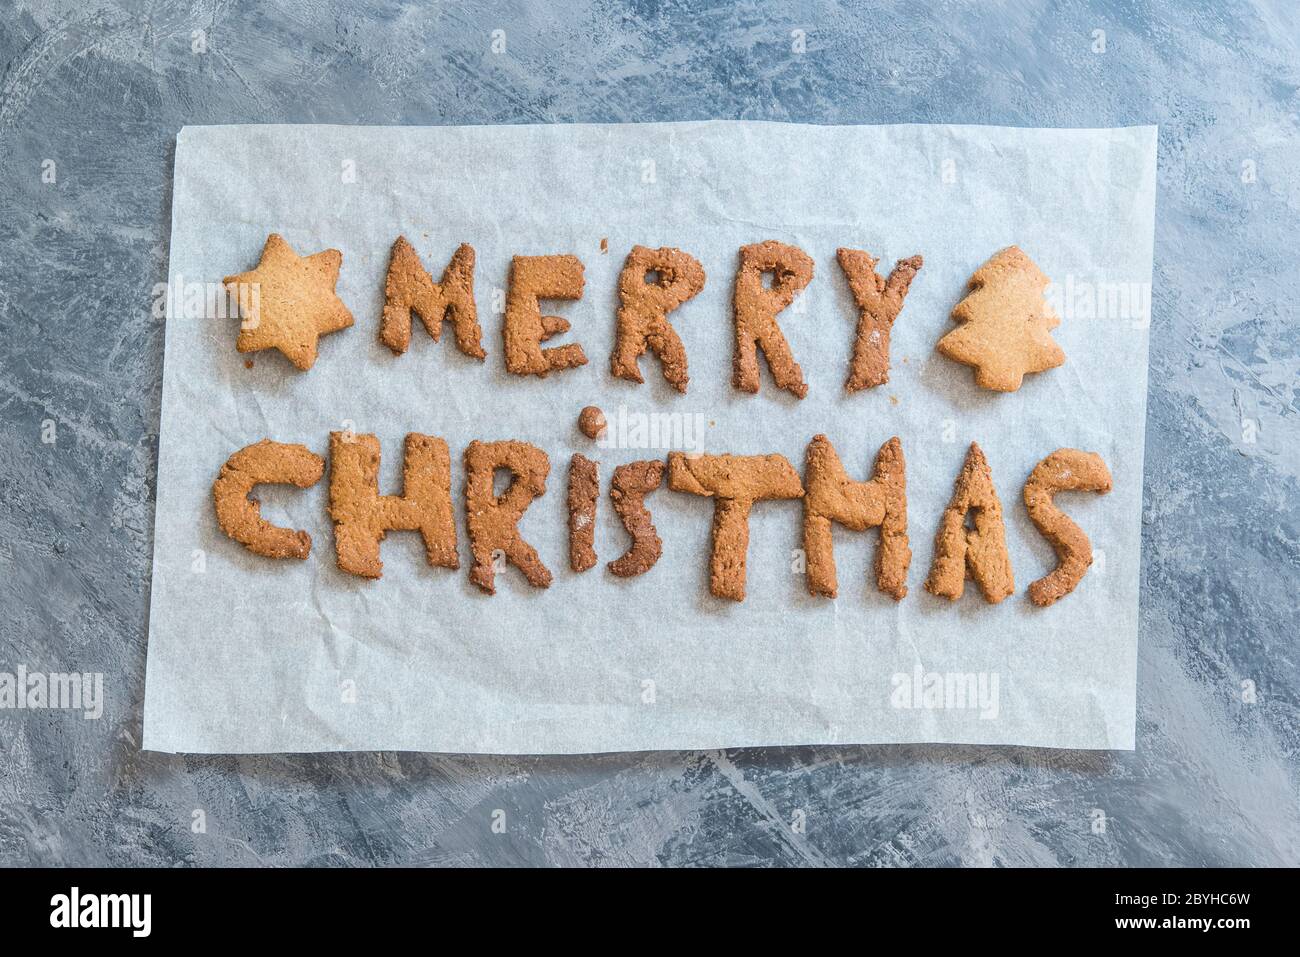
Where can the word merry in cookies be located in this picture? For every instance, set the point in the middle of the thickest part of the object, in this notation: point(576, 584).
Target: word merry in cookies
point(970, 542)
point(1004, 323)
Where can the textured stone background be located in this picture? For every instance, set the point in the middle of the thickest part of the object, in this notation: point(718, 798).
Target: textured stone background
point(102, 89)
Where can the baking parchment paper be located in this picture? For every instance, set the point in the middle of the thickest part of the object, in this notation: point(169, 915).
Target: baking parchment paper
point(247, 654)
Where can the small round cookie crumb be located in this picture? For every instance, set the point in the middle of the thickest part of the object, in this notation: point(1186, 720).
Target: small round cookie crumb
point(591, 422)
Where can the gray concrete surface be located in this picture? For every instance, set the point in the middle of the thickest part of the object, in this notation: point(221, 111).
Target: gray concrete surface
point(100, 90)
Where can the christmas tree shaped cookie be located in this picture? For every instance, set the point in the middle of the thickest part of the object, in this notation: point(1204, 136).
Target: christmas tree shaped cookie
point(1006, 323)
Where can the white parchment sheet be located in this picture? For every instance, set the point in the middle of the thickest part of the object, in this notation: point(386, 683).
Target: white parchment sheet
point(247, 654)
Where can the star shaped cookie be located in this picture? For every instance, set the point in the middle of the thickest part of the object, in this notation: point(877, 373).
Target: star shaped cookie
point(1006, 323)
point(288, 301)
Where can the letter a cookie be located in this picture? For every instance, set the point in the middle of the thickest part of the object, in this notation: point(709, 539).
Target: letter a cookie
point(978, 553)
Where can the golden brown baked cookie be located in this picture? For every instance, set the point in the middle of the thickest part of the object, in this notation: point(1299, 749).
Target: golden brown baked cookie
point(1006, 323)
point(756, 307)
point(631, 484)
point(533, 278)
point(362, 517)
point(240, 517)
point(833, 497)
point(409, 288)
point(494, 520)
point(584, 488)
point(1065, 470)
point(644, 307)
point(735, 483)
point(287, 302)
point(879, 303)
point(978, 553)
point(591, 422)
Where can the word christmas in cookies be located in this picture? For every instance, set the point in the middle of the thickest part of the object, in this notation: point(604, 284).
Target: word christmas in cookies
point(970, 543)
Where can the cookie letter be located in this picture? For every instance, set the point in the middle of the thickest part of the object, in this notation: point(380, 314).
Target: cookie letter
point(632, 483)
point(409, 287)
point(1006, 323)
point(584, 487)
point(240, 517)
point(494, 520)
point(834, 497)
point(735, 482)
point(1065, 470)
point(644, 307)
point(978, 553)
point(533, 278)
point(756, 307)
point(879, 302)
point(362, 517)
